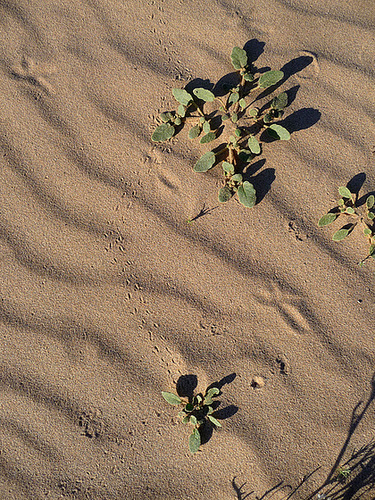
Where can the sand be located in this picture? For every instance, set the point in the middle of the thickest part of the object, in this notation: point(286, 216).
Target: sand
point(109, 296)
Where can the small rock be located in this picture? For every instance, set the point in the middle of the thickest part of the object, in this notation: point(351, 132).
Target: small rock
point(257, 382)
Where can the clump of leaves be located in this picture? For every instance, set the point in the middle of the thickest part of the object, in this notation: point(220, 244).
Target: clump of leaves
point(196, 411)
point(342, 473)
point(240, 123)
point(356, 212)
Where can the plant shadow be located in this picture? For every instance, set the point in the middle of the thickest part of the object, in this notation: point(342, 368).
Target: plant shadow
point(185, 386)
point(355, 184)
point(352, 479)
point(203, 211)
point(361, 463)
point(262, 181)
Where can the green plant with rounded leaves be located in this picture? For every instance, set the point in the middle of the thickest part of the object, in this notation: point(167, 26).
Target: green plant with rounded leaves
point(356, 212)
point(235, 118)
point(196, 411)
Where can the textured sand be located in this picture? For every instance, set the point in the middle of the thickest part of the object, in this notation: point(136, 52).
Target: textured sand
point(108, 296)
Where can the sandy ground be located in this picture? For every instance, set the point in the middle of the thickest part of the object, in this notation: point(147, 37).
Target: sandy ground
point(108, 296)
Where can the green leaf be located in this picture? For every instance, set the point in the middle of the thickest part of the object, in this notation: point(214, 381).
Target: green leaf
point(208, 138)
point(370, 201)
point(225, 194)
point(278, 132)
point(327, 219)
point(208, 401)
point(345, 193)
point(181, 111)
point(247, 194)
point(253, 112)
point(270, 78)
point(163, 132)
point(225, 117)
point(350, 210)
point(198, 399)
point(214, 421)
point(280, 102)
point(166, 116)
point(186, 419)
point(239, 58)
point(194, 441)
point(234, 118)
point(189, 407)
point(237, 132)
point(206, 127)
point(205, 162)
point(233, 98)
point(242, 103)
point(254, 145)
point(371, 215)
point(204, 94)
point(367, 231)
point(182, 96)
point(341, 202)
point(372, 251)
point(340, 234)
point(193, 420)
point(194, 132)
point(213, 391)
point(236, 178)
point(171, 398)
point(177, 120)
point(248, 77)
point(228, 167)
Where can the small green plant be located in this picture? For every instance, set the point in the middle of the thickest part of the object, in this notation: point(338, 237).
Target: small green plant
point(342, 473)
point(349, 207)
point(197, 411)
point(234, 117)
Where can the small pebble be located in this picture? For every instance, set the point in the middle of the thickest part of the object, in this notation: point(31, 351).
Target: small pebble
point(257, 382)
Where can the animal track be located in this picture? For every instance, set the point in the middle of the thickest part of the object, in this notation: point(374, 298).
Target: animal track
point(297, 231)
point(283, 364)
point(92, 423)
point(289, 306)
point(171, 361)
point(33, 73)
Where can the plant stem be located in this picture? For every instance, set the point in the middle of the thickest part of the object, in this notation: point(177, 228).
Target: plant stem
point(221, 151)
point(242, 85)
point(231, 155)
point(198, 109)
point(222, 103)
point(191, 117)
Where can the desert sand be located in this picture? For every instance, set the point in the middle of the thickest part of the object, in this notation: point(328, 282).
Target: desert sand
point(109, 296)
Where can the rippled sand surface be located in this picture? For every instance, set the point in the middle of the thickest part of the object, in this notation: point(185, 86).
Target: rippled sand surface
point(108, 296)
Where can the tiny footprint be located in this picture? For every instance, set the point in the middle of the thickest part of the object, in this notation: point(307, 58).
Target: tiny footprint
point(34, 73)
